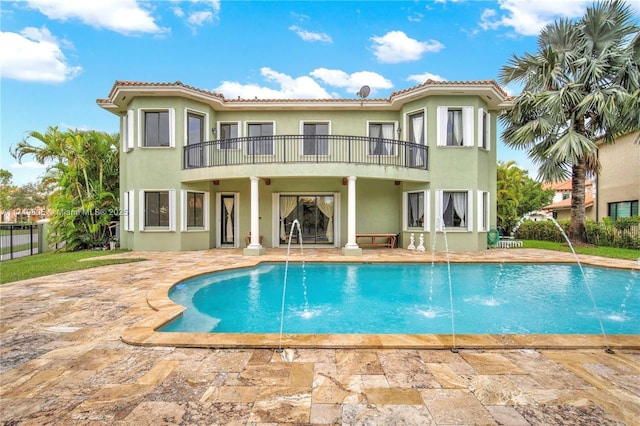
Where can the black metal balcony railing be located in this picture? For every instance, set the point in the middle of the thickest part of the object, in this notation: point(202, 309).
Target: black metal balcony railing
point(287, 149)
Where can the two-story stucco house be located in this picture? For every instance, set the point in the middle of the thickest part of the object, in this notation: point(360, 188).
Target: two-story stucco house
point(199, 171)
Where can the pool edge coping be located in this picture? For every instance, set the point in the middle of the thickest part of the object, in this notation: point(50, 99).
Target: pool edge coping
point(144, 332)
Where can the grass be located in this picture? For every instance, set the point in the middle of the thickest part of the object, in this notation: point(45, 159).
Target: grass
point(53, 263)
point(613, 252)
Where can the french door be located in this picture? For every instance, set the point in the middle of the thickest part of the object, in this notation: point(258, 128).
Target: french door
point(314, 214)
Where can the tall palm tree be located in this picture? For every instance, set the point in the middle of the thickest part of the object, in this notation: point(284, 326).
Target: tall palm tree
point(580, 87)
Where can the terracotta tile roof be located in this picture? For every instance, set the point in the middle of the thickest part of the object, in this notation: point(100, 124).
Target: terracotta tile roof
point(563, 185)
point(456, 83)
point(125, 83)
point(566, 204)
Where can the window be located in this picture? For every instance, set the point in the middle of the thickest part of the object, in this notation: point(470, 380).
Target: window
point(623, 209)
point(314, 141)
point(195, 128)
point(455, 126)
point(260, 139)
point(415, 209)
point(455, 208)
point(484, 123)
point(565, 196)
point(381, 142)
point(157, 129)
point(228, 136)
point(157, 210)
point(195, 207)
point(417, 154)
point(195, 136)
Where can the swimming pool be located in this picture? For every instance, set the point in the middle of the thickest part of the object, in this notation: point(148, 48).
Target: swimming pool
point(410, 299)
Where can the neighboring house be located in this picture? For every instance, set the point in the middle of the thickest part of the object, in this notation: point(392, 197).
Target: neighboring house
point(560, 208)
point(198, 170)
point(616, 190)
point(619, 178)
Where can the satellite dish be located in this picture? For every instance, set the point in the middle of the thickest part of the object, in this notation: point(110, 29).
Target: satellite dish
point(364, 91)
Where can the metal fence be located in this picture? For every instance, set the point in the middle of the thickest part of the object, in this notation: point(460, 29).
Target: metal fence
point(285, 149)
point(18, 240)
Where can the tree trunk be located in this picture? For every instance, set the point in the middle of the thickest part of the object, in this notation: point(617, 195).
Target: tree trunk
point(577, 227)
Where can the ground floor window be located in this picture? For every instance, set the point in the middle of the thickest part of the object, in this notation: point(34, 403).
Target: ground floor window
point(623, 209)
point(314, 214)
point(195, 208)
point(455, 209)
point(416, 210)
point(158, 210)
point(483, 211)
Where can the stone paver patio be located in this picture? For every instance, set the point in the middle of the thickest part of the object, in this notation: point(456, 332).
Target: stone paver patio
point(63, 361)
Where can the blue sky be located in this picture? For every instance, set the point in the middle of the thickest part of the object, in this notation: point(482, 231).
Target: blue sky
point(59, 56)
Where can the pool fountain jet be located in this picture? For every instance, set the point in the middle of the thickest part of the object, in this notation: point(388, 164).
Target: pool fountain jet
point(587, 286)
point(284, 286)
point(454, 349)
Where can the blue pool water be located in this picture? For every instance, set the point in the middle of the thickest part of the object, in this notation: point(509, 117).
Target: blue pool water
point(411, 298)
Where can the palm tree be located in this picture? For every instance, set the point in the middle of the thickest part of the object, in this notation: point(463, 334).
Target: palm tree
point(580, 87)
point(509, 182)
point(83, 168)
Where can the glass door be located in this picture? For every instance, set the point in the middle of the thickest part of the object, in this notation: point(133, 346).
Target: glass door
point(313, 212)
point(227, 224)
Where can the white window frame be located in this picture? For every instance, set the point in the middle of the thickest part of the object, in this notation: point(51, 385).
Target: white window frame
point(142, 123)
point(218, 133)
point(395, 133)
point(205, 211)
point(127, 131)
point(143, 207)
point(438, 211)
point(204, 115)
point(426, 224)
point(273, 144)
point(468, 126)
point(484, 214)
point(127, 209)
point(302, 123)
point(484, 117)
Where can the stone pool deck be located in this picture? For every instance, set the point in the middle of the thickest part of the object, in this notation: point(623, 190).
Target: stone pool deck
point(63, 360)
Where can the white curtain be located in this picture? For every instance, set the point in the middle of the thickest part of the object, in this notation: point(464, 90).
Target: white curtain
point(287, 205)
point(417, 125)
point(228, 206)
point(413, 208)
point(387, 133)
point(446, 199)
point(454, 127)
point(325, 204)
point(460, 206)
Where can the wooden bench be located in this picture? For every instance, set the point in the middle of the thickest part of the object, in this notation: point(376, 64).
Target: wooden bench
point(376, 240)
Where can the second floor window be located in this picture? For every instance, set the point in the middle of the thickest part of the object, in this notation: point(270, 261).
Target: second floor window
point(260, 139)
point(454, 127)
point(157, 129)
point(228, 136)
point(382, 139)
point(314, 141)
point(195, 128)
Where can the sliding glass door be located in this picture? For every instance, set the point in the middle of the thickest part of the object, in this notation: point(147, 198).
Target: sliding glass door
point(313, 212)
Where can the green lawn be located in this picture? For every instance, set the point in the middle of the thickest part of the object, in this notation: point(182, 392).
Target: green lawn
point(616, 253)
point(52, 263)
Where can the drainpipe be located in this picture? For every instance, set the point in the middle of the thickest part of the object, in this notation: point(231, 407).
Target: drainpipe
point(351, 214)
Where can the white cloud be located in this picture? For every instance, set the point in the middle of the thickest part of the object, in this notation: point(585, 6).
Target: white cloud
point(415, 17)
point(352, 82)
point(311, 36)
point(527, 17)
point(34, 55)
point(28, 165)
point(122, 16)
point(200, 18)
point(421, 78)
point(303, 87)
point(396, 47)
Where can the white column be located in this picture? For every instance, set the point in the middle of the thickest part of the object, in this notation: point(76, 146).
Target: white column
point(351, 213)
point(255, 213)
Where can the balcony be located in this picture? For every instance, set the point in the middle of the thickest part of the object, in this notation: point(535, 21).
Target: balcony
point(290, 149)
